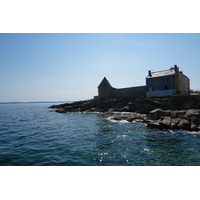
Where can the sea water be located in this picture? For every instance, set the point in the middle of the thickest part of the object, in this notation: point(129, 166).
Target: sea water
point(33, 135)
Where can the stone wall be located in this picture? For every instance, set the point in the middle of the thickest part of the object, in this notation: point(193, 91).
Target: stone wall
point(126, 93)
point(184, 83)
point(130, 93)
point(105, 90)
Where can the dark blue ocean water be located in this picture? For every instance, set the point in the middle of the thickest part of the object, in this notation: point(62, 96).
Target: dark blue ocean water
point(31, 134)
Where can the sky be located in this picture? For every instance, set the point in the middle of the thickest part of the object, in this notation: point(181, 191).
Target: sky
point(70, 66)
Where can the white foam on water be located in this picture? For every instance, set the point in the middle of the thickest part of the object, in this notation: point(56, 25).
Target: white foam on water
point(117, 121)
point(111, 120)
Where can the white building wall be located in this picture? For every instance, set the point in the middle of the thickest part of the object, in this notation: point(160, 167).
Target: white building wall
point(160, 93)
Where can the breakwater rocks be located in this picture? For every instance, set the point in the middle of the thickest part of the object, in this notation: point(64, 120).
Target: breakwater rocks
point(157, 113)
point(167, 119)
point(111, 105)
point(182, 119)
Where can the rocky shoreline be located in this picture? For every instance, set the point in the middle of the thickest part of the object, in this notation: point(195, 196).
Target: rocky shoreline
point(175, 120)
point(174, 113)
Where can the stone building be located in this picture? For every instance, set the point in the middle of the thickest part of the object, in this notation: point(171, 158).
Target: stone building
point(158, 84)
point(167, 83)
point(105, 90)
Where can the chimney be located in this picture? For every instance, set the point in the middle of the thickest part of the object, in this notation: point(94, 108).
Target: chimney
point(176, 68)
point(150, 73)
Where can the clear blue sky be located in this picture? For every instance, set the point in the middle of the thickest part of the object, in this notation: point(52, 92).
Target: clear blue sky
point(64, 67)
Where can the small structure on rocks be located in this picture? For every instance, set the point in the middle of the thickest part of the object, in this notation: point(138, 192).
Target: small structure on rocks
point(158, 84)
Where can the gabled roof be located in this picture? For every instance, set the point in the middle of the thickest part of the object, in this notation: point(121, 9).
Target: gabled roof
point(104, 83)
point(162, 73)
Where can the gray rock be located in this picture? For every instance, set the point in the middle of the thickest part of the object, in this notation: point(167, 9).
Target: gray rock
point(178, 114)
point(194, 112)
point(153, 124)
point(125, 109)
point(93, 109)
point(156, 114)
point(130, 119)
point(193, 116)
point(184, 124)
point(195, 120)
point(60, 110)
point(194, 127)
point(156, 117)
point(175, 122)
point(120, 118)
point(165, 123)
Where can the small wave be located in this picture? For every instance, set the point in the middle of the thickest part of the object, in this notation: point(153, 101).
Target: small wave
point(183, 132)
point(110, 119)
point(123, 122)
point(192, 132)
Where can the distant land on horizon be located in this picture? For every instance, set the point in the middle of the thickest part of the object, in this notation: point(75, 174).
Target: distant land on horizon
point(33, 102)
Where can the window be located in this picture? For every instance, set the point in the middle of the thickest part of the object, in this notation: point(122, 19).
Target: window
point(149, 81)
point(165, 79)
point(166, 87)
point(150, 89)
point(179, 82)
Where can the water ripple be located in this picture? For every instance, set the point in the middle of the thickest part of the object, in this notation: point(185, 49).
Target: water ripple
point(31, 135)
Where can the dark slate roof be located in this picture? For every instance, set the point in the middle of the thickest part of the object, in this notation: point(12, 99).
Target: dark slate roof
point(104, 83)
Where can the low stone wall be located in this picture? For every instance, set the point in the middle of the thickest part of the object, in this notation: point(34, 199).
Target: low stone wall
point(126, 93)
point(131, 93)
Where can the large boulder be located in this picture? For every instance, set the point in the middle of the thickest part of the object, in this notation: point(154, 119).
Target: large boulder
point(153, 124)
point(165, 123)
point(178, 114)
point(184, 124)
point(60, 110)
point(175, 122)
point(193, 115)
point(194, 127)
point(157, 114)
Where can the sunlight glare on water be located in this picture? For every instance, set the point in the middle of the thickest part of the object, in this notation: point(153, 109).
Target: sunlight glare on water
point(31, 134)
